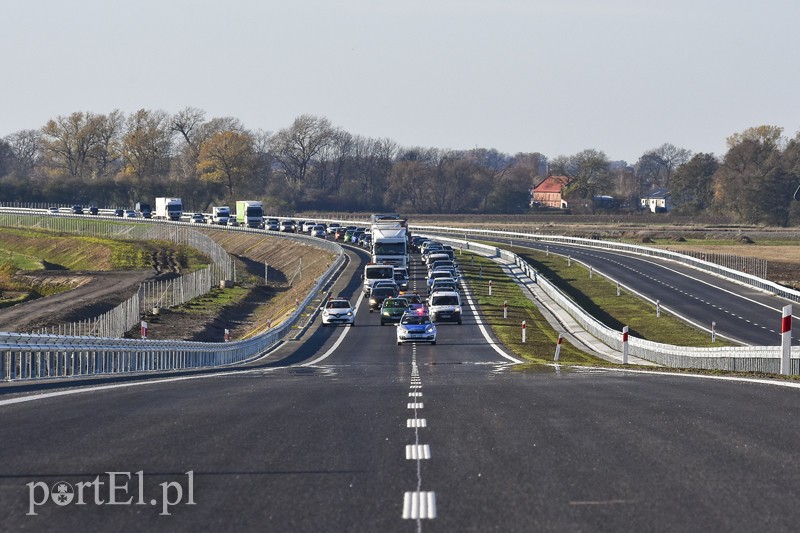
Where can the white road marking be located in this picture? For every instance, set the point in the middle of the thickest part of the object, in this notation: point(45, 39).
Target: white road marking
point(416, 423)
point(419, 505)
point(415, 452)
point(339, 340)
point(415, 394)
point(415, 406)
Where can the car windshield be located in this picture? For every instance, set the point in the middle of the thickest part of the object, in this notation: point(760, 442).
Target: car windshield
point(390, 248)
point(415, 320)
point(445, 300)
point(338, 304)
point(379, 273)
point(394, 304)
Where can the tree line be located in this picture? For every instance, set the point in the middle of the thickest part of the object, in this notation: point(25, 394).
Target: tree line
point(116, 160)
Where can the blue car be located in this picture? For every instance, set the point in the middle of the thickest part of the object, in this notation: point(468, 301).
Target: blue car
point(416, 327)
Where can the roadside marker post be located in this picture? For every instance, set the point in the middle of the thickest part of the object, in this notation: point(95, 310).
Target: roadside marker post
point(505, 309)
point(490, 287)
point(591, 271)
point(658, 308)
point(786, 340)
point(523, 331)
point(713, 332)
point(625, 345)
point(144, 329)
point(558, 346)
point(227, 335)
point(618, 288)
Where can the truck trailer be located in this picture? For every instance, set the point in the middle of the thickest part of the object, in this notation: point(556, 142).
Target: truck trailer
point(169, 208)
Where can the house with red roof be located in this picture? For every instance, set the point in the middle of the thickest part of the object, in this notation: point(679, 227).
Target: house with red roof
point(548, 192)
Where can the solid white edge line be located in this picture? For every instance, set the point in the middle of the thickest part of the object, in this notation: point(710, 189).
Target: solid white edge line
point(339, 340)
point(485, 333)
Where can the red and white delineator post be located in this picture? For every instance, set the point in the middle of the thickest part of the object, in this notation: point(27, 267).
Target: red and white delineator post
point(227, 335)
point(505, 309)
point(625, 345)
point(786, 340)
point(144, 329)
point(558, 347)
point(490, 287)
point(523, 331)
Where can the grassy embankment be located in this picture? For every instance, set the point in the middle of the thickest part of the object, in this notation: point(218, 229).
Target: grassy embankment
point(596, 295)
point(29, 250)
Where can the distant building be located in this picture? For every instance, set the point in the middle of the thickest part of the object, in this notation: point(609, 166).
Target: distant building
point(548, 193)
point(657, 201)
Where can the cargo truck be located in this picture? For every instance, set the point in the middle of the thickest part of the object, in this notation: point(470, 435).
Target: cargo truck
point(169, 208)
point(390, 243)
point(249, 213)
point(220, 215)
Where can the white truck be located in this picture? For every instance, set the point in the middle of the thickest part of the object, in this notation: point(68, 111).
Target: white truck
point(169, 208)
point(390, 243)
point(374, 272)
point(250, 213)
point(220, 215)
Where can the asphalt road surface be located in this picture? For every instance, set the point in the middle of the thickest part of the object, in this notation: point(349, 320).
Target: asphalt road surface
point(378, 437)
point(743, 314)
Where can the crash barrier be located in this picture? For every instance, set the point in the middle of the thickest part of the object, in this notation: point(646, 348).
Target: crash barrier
point(765, 359)
point(26, 356)
point(35, 356)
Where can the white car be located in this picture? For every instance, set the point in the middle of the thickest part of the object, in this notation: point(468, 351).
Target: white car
point(198, 218)
point(318, 231)
point(445, 306)
point(338, 311)
point(307, 225)
point(130, 213)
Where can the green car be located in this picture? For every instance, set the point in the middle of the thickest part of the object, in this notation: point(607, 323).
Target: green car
point(392, 310)
point(348, 235)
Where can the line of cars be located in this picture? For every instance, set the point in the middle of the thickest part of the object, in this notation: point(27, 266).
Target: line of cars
point(387, 289)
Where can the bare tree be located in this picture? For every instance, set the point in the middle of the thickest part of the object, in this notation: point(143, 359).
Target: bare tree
point(295, 148)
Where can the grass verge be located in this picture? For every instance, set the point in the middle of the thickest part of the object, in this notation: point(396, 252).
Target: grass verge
point(541, 339)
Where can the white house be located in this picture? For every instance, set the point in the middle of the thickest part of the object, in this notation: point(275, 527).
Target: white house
point(657, 201)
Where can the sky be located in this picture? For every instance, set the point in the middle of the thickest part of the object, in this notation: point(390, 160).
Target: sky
point(550, 76)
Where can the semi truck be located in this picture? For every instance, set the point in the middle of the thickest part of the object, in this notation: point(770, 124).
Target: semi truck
point(249, 213)
point(390, 243)
point(144, 209)
point(169, 208)
point(220, 214)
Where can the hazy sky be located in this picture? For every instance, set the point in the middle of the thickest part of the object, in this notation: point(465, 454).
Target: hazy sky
point(549, 76)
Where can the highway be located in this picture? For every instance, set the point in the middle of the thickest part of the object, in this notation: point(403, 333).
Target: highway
point(743, 314)
point(380, 437)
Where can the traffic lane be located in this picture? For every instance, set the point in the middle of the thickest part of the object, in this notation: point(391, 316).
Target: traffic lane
point(370, 343)
point(599, 450)
point(286, 449)
point(740, 312)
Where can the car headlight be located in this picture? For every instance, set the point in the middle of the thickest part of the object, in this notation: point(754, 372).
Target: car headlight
point(349, 313)
point(430, 329)
point(401, 329)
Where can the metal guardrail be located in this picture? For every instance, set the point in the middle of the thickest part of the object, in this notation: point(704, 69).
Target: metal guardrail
point(737, 358)
point(28, 356)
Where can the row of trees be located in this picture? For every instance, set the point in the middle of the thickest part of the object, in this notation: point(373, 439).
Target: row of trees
point(114, 159)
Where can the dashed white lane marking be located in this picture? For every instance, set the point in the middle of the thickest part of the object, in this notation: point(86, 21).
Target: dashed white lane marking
point(419, 505)
point(415, 452)
point(415, 394)
point(415, 405)
point(416, 423)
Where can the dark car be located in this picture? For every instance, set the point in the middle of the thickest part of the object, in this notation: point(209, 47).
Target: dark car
point(93, 210)
point(392, 310)
point(339, 233)
point(119, 212)
point(378, 294)
point(77, 210)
